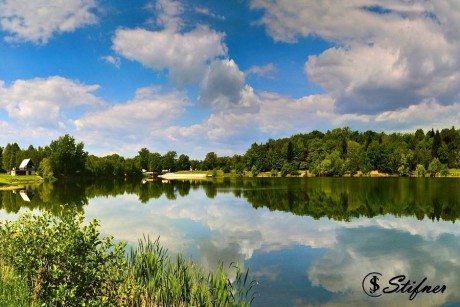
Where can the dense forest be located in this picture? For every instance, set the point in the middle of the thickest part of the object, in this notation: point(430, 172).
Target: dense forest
point(336, 152)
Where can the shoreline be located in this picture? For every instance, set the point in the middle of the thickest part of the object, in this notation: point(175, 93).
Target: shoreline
point(178, 176)
point(11, 183)
point(11, 187)
point(181, 175)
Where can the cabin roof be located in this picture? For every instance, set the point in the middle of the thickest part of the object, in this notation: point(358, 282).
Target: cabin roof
point(24, 163)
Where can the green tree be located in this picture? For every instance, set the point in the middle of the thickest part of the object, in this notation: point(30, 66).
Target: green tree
point(239, 169)
point(132, 168)
point(444, 171)
point(67, 157)
point(254, 171)
point(256, 156)
point(46, 171)
point(289, 152)
point(155, 162)
point(143, 156)
point(169, 161)
point(434, 167)
point(423, 152)
point(352, 161)
point(419, 135)
point(195, 164)
point(378, 156)
point(289, 169)
point(443, 153)
point(11, 154)
point(210, 161)
point(437, 142)
point(183, 163)
point(324, 168)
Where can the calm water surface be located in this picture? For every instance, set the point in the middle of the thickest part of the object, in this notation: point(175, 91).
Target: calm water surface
point(307, 242)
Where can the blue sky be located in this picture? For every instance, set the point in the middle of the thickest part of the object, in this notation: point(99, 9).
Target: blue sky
point(200, 76)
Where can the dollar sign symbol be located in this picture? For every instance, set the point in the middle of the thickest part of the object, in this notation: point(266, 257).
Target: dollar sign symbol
point(375, 285)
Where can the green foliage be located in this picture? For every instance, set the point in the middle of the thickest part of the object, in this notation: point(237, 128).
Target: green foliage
point(61, 262)
point(143, 157)
point(330, 166)
point(210, 161)
point(169, 161)
point(396, 153)
point(239, 169)
point(11, 156)
point(434, 167)
point(420, 171)
point(14, 290)
point(65, 263)
point(8, 180)
point(444, 171)
point(183, 163)
point(353, 157)
point(67, 158)
point(155, 162)
point(46, 170)
point(289, 169)
point(437, 142)
point(163, 281)
point(254, 171)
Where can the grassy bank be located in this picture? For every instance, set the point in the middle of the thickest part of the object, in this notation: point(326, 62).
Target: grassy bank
point(61, 262)
point(12, 182)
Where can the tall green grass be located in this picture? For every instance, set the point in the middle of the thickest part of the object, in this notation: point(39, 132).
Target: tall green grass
point(14, 290)
point(178, 282)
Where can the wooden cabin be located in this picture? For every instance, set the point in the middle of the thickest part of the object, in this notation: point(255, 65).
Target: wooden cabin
point(27, 167)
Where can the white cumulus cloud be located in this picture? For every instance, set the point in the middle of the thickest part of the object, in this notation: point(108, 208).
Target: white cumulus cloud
point(42, 102)
point(137, 121)
point(265, 71)
point(184, 54)
point(37, 21)
point(385, 55)
point(223, 87)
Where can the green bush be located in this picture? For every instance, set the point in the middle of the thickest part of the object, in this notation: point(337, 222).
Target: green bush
point(254, 171)
point(289, 169)
point(420, 171)
point(64, 262)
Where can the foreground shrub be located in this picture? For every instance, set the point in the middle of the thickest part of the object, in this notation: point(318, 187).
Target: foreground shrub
point(61, 262)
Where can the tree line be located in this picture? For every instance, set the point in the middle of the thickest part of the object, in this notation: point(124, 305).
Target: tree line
point(336, 152)
point(65, 157)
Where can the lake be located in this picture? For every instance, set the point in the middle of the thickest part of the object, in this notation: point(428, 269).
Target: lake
point(307, 241)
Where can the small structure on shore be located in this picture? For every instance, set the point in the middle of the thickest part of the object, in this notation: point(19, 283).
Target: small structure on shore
point(27, 167)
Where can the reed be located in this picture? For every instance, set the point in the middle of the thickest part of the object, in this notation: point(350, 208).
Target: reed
point(162, 281)
point(14, 290)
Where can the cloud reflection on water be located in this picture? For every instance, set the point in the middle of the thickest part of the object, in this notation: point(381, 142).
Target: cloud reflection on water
point(229, 229)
